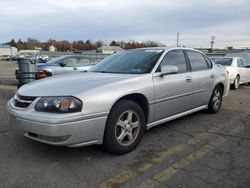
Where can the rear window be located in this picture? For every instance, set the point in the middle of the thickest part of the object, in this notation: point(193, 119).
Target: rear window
point(223, 61)
point(84, 61)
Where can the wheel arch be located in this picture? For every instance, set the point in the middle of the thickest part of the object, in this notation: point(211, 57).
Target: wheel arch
point(138, 98)
point(221, 85)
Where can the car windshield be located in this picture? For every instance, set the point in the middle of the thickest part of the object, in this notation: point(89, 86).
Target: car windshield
point(55, 60)
point(223, 61)
point(129, 62)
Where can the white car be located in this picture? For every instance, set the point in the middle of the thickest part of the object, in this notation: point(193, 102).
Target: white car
point(238, 71)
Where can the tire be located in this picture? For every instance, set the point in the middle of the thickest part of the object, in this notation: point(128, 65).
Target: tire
point(121, 136)
point(215, 100)
point(236, 83)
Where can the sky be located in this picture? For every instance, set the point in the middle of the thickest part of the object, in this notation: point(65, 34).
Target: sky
point(140, 20)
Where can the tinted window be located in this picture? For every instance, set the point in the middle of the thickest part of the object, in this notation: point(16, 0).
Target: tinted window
point(223, 61)
point(177, 58)
point(240, 63)
point(129, 62)
point(197, 61)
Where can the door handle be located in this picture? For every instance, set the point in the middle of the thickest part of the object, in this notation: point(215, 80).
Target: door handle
point(212, 75)
point(74, 68)
point(188, 79)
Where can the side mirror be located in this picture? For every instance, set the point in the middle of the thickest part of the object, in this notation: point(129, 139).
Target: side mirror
point(62, 64)
point(168, 69)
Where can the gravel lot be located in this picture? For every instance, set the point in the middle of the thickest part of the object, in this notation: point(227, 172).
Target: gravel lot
point(199, 150)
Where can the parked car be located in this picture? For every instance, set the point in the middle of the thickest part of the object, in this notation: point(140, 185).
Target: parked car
point(63, 64)
point(239, 72)
point(119, 98)
point(4, 57)
point(42, 59)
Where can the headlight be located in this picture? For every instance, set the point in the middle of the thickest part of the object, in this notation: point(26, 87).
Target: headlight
point(58, 104)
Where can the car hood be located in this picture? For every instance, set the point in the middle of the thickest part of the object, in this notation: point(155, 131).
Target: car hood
point(71, 84)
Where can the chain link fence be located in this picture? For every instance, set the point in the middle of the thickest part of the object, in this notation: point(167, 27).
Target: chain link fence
point(91, 55)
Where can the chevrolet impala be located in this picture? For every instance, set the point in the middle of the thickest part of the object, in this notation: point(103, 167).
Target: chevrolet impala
point(119, 98)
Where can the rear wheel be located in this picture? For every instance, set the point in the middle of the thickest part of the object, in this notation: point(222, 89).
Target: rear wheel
point(236, 83)
point(215, 100)
point(124, 128)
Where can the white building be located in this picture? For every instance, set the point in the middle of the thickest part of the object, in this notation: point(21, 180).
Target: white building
point(52, 48)
point(108, 49)
point(29, 51)
point(6, 50)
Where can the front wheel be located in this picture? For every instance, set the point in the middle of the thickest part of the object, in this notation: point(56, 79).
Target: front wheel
point(215, 100)
point(125, 127)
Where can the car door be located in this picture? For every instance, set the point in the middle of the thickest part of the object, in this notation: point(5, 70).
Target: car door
point(247, 70)
point(173, 92)
point(202, 78)
point(243, 70)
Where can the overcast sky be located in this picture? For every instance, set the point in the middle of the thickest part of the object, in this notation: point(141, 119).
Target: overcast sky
point(106, 20)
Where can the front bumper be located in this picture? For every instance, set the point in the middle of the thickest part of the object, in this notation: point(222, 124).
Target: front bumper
point(71, 132)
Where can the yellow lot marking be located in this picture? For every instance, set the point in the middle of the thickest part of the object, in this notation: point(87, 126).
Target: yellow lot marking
point(173, 169)
point(125, 175)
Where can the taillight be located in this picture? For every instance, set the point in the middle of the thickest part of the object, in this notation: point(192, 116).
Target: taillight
point(42, 74)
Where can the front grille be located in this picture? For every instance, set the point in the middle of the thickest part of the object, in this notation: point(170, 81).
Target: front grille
point(23, 101)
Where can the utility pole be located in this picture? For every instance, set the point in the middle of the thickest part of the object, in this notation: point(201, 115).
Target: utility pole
point(212, 42)
point(177, 40)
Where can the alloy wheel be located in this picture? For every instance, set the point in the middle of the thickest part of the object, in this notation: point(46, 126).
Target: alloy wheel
point(127, 128)
point(216, 99)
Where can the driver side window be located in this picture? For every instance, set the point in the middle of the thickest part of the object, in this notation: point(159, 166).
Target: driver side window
point(176, 58)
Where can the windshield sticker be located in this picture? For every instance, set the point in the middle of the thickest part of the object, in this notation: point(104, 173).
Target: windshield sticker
point(156, 51)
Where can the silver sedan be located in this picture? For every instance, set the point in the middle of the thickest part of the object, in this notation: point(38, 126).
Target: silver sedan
point(63, 64)
point(119, 98)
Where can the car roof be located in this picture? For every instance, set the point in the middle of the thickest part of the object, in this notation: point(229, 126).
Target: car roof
point(228, 57)
point(167, 48)
point(170, 48)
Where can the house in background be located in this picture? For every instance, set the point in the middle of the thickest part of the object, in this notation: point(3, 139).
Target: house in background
point(108, 49)
point(52, 48)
